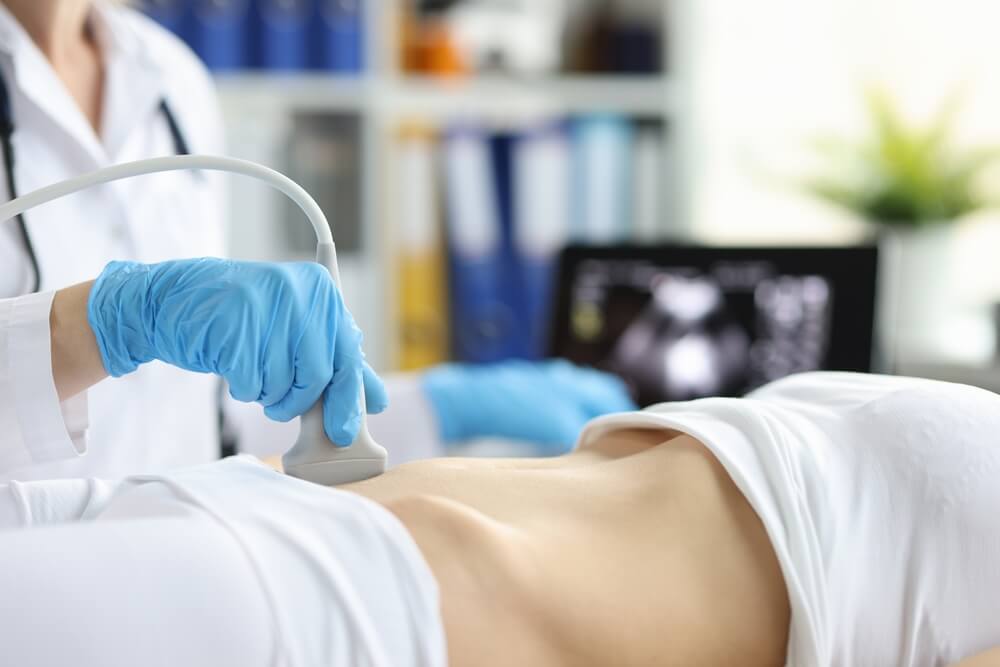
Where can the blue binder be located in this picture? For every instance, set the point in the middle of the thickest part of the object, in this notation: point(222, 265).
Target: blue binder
point(339, 36)
point(171, 14)
point(219, 33)
point(513, 289)
point(283, 33)
point(542, 199)
point(483, 319)
point(603, 164)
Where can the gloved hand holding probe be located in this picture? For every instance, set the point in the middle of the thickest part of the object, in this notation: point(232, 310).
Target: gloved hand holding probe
point(278, 333)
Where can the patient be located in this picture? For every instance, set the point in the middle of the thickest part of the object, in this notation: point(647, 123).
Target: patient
point(637, 550)
point(826, 519)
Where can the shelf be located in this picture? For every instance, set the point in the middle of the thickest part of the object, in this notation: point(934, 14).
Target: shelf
point(262, 107)
point(571, 94)
point(305, 91)
point(443, 98)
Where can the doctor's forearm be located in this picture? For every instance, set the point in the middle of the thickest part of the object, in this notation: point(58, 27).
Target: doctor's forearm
point(76, 359)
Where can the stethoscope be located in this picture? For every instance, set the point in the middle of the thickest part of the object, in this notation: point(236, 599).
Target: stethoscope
point(6, 134)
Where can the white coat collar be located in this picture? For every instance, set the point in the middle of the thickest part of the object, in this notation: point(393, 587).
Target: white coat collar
point(133, 84)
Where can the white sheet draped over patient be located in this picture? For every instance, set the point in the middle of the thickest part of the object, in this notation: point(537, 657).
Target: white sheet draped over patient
point(225, 564)
point(880, 496)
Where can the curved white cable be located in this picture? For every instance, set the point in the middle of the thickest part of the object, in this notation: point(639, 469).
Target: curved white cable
point(313, 457)
point(173, 163)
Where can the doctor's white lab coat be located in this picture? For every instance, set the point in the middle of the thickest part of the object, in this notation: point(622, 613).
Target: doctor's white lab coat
point(158, 417)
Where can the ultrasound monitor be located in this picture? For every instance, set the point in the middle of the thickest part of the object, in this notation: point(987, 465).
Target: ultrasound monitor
point(681, 322)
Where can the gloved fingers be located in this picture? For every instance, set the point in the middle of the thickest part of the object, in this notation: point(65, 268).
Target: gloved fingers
point(312, 369)
point(560, 370)
point(245, 376)
point(307, 388)
point(278, 376)
point(233, 342)
point(342, 396)
point(376, 397)
point(444, 386)
point(342, 405)
point(596, 392)
point(609, 394)
point(306, 347)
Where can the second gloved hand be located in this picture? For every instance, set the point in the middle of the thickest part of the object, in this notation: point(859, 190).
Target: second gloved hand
point(278, 333)
point(545, 404)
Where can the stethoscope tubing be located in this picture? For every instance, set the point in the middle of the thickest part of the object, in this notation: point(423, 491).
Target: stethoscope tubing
point(7, 128)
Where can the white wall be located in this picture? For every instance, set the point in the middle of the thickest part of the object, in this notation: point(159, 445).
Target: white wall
point(769, 74)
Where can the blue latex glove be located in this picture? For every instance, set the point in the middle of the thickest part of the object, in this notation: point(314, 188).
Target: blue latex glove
point(278, 333)
point(545, 403)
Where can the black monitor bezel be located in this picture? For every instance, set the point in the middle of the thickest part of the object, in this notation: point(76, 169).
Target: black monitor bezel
point(850, 267)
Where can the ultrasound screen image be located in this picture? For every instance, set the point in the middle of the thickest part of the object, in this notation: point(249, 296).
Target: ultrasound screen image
point(721, 324)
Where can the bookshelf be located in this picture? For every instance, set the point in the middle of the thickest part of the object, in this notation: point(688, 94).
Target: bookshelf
point(262, 110)
point(436, 98)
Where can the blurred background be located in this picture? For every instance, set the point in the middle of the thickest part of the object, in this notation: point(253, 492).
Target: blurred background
point(745, 189)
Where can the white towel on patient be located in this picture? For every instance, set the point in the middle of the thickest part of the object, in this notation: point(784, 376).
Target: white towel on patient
point(346, 582)
point(302, 574)
point(881, 497)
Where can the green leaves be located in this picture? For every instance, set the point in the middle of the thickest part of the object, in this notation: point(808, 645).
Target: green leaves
point(902, 175)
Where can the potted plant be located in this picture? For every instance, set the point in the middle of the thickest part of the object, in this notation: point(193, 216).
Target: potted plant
point(912, 184)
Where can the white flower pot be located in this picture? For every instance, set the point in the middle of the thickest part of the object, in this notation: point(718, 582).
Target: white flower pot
point(917, 295)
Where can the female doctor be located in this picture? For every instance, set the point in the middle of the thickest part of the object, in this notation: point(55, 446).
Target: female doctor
point(90, 83)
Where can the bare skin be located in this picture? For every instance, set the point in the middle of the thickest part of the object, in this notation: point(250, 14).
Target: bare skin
point(76, 359)
point(638, 550)
point(59, 28)
point(988, 659)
